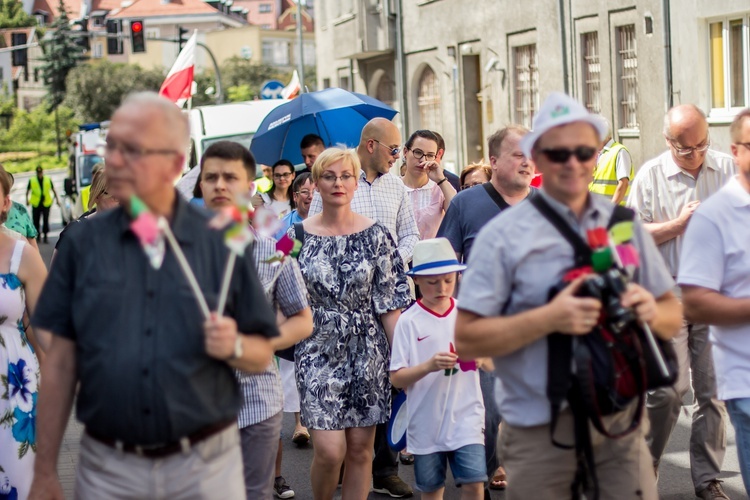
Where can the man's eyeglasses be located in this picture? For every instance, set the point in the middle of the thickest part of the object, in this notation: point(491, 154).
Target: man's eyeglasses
point(131, 152)
point(303, 192)
point(471, 185)
point(419, 154)
point(391, 150)
point(688, 151)
point(562, 155)
point(285, 175)
point(331, 179)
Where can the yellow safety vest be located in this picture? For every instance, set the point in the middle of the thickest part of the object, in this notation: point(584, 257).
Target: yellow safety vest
point(85, 192)
point(263, 184)
point(605, 174)
point(37, 191)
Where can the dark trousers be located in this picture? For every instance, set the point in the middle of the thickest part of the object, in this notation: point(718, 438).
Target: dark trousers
point(491, 421)
point(41, 212)
point(385, 463)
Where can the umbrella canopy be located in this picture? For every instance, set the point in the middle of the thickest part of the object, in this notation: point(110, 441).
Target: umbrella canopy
point(336, 115)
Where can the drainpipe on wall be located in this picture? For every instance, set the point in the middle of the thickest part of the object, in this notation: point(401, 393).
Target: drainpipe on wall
point(566, 85)
point(669, 101)
point(400, 69)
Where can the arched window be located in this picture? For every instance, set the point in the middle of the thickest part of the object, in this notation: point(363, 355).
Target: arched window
point(386, 91)
point(428, 101)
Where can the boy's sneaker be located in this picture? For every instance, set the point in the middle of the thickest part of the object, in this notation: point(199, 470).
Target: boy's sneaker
point(393, 486)
point(281, 489)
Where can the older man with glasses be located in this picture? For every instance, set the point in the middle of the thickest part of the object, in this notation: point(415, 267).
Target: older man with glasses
point(665, 193)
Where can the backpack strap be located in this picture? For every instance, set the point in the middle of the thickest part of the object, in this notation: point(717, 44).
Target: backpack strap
point(299, 232)
point(495, 196)
point(580, 247)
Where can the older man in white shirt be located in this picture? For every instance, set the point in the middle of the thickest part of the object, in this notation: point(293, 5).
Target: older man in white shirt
point(665, 193)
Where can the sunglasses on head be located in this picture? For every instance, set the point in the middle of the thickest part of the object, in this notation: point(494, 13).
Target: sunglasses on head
point(562, 155)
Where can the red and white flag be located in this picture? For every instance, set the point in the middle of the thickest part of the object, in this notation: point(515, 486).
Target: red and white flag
point(177, 87)
point(292, 90)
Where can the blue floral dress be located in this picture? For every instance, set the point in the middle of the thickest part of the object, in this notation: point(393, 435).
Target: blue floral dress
point(19, 373)
point(342, 368)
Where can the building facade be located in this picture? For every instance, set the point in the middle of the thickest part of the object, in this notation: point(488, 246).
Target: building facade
point(466, 71)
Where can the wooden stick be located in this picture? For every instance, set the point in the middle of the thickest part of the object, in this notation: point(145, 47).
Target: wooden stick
point(186, 270)
point(226, 280)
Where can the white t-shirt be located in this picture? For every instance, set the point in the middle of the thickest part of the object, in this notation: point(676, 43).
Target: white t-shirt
point(716, 255)
point(420, 334)
point(279, 207)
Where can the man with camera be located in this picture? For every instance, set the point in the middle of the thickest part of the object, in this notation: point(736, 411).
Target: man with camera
point(665, 193)
point(505, 312)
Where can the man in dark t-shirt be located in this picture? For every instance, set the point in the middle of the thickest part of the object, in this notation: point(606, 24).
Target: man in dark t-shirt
point(472, 208)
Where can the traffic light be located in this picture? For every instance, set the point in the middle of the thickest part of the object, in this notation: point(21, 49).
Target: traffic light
point(137, 37)
point(82, 35)
point(182, 40)
point(114, 41)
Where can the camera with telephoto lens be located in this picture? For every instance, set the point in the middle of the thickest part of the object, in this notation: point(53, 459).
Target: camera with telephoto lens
point(608, 288)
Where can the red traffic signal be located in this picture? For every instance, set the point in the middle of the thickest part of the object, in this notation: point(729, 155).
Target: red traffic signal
point(137, 37)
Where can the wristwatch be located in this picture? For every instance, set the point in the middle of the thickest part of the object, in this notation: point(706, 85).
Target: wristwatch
point(239, 349)
point(441, 181)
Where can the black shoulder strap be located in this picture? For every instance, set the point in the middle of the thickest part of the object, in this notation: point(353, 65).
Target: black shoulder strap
point(299, 232)
point(620, 214)
point(492, 193)
point(582, 250)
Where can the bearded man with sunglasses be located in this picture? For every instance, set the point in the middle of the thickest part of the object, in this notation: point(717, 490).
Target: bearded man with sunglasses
point(665, 193)
point(505, 312)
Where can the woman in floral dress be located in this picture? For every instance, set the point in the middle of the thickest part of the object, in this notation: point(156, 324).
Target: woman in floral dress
point(22, 274)
point(355, 278)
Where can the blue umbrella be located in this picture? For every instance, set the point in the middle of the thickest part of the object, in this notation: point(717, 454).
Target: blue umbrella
point(336, 115)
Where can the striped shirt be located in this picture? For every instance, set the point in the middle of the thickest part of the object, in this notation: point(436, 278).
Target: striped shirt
point(427, 202)
point(262, 395)
point(661, 189)
point(385, 201)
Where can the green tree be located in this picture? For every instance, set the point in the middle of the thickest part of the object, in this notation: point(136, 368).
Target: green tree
point(97, 89)
point(38, 125)
point(12, 15)
point(239, 93)
point(61, 55)
point(205, 81)
point(238, 72)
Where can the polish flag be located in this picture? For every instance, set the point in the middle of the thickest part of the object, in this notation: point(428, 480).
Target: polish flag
point(178, 85)
point(292, 90)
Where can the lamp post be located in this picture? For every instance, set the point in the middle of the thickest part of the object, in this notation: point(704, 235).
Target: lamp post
point(300, 56)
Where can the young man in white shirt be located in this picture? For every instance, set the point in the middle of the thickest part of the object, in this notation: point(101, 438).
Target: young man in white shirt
point(715, 280)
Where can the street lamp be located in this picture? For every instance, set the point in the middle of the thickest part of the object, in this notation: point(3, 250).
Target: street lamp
point(300, 58)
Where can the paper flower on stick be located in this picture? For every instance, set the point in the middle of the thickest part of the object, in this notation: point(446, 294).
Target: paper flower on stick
point(145, 226)
point(621, 235)
point(266, 222)
point(286, 246)
point(465, 366)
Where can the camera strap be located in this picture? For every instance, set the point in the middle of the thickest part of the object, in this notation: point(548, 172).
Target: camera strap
point(560, 383)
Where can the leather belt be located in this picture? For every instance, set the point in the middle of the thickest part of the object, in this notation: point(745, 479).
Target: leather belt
point(163, 450)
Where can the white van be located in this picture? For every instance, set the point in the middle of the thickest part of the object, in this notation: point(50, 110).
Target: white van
point(237, 121)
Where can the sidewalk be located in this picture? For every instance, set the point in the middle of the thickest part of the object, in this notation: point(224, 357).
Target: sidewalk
point(68, 461)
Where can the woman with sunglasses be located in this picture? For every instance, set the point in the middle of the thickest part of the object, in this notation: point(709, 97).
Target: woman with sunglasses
point(279, 197)
point(475, 174)
point(428, 188)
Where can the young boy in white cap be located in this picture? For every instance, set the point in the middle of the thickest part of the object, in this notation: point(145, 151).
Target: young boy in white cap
point(445, 408)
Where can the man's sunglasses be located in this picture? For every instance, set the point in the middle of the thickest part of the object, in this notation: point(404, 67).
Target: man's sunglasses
point(562, 155)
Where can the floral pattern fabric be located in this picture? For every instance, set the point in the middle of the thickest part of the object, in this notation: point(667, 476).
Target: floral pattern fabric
point(19, 377)
point(342, 368)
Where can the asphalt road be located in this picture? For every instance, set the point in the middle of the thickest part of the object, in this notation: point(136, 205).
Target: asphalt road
point(674, 480)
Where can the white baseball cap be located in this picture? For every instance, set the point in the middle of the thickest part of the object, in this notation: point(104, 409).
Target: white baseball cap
point(559, 109)
point(434, 256)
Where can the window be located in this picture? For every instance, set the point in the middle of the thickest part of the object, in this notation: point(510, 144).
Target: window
point(386, 91)
point(627, 69)
point(344, 79)
point(276, 52)
point(152, 33)
point(525, 83)
point(266, 27)
point(326, 83)
point(728, 50)
point(428, 101)
point(98, 51)
point(41, 20)
point(591, 69)
point(264, 8)
point(98, 21)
